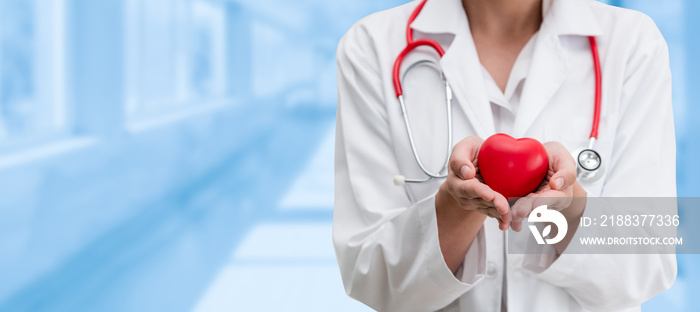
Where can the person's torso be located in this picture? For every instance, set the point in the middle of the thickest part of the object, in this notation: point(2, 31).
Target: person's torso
point(555, 104)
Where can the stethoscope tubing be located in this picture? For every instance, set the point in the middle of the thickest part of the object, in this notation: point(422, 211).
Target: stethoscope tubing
point(442, 173)
point(412, 44)
point(598, 90)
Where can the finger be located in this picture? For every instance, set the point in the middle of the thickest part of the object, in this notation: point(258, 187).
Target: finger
point(503, 225)
point(522, 208)
point(516, 225)
point(476, 203)
point(499, 210)
point(503, 220)
point(557, 200)
point(463, 156)
point(563, 165)
point(490, 212)
point(501, 204)
point(501, 207)
point(563, 178)
point(472, 188)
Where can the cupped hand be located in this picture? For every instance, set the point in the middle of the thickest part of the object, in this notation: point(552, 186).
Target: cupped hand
point(556, 190)
point(464, 184)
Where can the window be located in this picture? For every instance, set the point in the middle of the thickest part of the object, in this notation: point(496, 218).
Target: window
point(31, 70)
point(175, 54)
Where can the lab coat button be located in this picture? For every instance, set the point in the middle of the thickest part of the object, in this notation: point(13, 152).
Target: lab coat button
point(490, 269)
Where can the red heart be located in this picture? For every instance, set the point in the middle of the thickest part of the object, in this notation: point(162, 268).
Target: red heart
point(512, 167)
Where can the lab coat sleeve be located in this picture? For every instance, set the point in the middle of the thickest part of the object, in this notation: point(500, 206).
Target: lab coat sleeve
point(387, 247)
point(642, 165)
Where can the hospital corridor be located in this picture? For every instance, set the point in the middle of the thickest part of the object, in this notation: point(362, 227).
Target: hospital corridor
point(178, 155)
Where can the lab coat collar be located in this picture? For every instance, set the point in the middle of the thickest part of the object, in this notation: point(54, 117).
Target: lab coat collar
point(462, 68)
point(441, 16)
point(572, 17)
point(568, 17)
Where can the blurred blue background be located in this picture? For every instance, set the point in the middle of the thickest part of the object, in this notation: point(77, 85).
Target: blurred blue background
point(177, 155)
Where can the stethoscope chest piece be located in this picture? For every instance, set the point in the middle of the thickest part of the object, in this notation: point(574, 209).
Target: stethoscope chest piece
point(590, 168)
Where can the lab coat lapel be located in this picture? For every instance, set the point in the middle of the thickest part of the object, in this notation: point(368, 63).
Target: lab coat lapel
point(462, 69)
point(546, 74)
point(549, 63)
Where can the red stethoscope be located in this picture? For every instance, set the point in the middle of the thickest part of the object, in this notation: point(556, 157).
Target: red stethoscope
point(589, 164)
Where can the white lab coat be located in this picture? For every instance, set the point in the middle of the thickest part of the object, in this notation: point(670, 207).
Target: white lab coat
point(385, 236)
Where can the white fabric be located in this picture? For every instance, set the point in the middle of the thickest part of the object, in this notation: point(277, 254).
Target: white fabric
point(385, 236)
point(505, 104)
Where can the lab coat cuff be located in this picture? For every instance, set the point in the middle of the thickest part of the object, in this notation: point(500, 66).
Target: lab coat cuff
point(474, 265)
point(436, 266)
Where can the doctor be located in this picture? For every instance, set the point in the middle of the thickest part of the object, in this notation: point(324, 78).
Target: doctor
point(519, 67)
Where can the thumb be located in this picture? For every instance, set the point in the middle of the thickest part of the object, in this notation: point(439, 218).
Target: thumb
point(463, 154)
point(562, 179)
point(563, 165)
